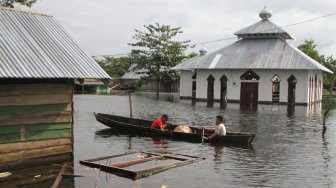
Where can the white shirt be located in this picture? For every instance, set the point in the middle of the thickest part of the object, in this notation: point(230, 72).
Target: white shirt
point(220, 130)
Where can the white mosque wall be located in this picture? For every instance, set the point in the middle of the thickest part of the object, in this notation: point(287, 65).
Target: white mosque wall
point(304, 94)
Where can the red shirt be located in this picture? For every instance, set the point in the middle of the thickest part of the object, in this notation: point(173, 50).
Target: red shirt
point(157, 124)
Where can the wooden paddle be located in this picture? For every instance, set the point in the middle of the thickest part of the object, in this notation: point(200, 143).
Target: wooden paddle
point(202, 135)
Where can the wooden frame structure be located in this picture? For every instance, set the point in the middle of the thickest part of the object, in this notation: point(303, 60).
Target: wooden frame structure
point(119, 168)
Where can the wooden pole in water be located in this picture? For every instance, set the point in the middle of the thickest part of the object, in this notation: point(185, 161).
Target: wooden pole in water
point(130, 103)
point(81, 82)
point(202, 135)
point(58, 178)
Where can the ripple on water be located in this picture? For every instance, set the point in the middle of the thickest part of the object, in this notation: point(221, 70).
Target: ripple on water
point(288, 151)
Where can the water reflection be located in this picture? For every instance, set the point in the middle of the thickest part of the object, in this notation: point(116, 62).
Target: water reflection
point(219, 152)
point(40, 176)
point(290, 110)
point(288, 151)
point(158, 142)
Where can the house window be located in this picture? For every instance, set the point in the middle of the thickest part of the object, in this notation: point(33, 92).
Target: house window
point(315, 89)
point(193, 89)
point(291, 89)
point(194, 76)
point(223, 91)
point(210, 92)
point(276, 89)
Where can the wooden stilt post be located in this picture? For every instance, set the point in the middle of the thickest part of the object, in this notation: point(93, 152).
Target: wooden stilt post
point(202, 135)
point(81, 82)
point(130, 103)
point(58, 178)
point(157, 89)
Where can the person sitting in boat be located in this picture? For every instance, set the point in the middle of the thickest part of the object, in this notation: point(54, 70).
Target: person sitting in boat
point(160, 123)
point(220, 129)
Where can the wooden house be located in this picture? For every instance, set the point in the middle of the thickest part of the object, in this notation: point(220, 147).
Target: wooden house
point(39, 62)
point(261, 67)
point(132, 76)
point(91, 86)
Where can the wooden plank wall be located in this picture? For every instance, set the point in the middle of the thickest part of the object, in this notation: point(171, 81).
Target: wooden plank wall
point(35, 120)
point(164, 87)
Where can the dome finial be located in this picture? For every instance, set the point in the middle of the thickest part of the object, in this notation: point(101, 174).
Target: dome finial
point(203, 50)
point(265, 13)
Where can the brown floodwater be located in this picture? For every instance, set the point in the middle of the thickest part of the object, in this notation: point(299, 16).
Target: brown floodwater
point(288, 151)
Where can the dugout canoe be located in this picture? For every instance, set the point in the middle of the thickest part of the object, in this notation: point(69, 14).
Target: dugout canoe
point(142, 127)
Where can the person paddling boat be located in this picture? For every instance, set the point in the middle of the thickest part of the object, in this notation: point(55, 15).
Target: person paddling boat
point(220, 129)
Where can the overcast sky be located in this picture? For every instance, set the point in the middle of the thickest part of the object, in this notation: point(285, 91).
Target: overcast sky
point(104, 27)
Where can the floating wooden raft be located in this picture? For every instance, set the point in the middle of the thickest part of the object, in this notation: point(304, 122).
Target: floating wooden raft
point(134, 168)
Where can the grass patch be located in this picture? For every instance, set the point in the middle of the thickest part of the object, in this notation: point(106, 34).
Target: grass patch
point(326, 93)
point(326, 104)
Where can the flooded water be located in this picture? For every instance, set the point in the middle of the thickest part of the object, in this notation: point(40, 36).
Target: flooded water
point(288, 151)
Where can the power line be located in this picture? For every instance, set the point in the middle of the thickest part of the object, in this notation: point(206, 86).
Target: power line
point(113, 55)
point(234, 37)
point(316, 18)
point(289, 25)
point(212, 41)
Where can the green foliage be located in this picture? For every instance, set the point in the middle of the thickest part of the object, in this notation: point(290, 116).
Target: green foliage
point(138, 83)
point(12, 3)
point(191, 55)
point(330, 63)
point(309, 48)
point(156, 52)
point(115, 67)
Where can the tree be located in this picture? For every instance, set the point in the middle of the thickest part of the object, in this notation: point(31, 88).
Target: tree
point(309, 48)
point(115, 67)
point(329, 79)
point(11, 3)
point(156, 52)
point(192, 55)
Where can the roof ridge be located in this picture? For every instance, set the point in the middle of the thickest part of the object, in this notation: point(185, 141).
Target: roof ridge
point(263, 27)
point(26, 11)
point(259, 22)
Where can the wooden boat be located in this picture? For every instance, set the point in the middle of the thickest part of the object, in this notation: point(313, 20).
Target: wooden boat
point(139, 126)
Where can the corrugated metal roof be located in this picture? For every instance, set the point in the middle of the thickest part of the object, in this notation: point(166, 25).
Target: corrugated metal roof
point(264, 28)
point(270, 53)
point(263, 46)
point(34, 45)
point(132, 74)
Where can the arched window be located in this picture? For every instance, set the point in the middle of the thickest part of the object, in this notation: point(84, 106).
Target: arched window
point(223, 91)
point(249, 75)
point(276, 89)
point(291, 89)
point(210, 91)
point(194, 76)
point(310, 90)
point(315, 89)
point(193, 88)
